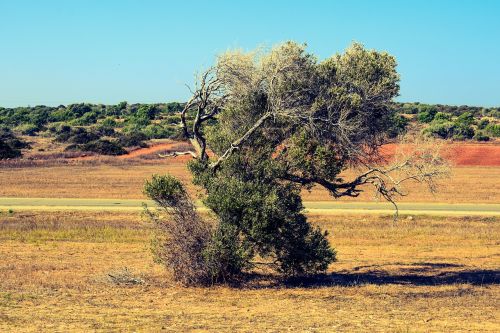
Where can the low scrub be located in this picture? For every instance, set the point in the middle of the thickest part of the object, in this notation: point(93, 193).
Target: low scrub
point(101, 146)
point(10, 145)
point(196, 251)
point(132, 139)
point(493, 130)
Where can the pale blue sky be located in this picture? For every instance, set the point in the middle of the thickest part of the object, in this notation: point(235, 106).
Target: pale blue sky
point(60, 52)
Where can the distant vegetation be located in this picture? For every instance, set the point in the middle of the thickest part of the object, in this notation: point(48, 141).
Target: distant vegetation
point(109, 129)
point(454, 122)
point(103, 129)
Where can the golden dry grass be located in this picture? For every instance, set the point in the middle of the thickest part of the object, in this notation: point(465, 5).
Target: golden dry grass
point(426, 274)
point(124, 180)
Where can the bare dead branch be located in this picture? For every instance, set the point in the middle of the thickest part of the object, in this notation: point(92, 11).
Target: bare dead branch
point(179, 153)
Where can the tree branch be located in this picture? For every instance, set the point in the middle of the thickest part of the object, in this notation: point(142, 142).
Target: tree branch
point(237, 143)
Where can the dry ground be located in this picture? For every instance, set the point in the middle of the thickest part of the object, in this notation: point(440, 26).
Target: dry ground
point(424, 275)
point(124, 180)
point(427, 274)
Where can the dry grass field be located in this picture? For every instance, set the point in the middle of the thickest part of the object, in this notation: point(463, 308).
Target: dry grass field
point(92, 270)
point(65, 271)
point(124, 180)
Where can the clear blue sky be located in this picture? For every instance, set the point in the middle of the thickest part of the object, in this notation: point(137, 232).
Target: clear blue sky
point(60, 52)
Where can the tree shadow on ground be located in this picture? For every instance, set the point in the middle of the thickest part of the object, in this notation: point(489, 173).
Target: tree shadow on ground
point(416, 274)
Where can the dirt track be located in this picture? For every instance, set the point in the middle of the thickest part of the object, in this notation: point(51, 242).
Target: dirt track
point(318, 207)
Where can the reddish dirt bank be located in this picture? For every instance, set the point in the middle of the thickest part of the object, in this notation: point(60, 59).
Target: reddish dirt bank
point(149, 150)
point(464, 154)
point(460, 154)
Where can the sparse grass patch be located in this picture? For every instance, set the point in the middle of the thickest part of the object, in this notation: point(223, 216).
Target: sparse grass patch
point(425, 274)
point(105, 179)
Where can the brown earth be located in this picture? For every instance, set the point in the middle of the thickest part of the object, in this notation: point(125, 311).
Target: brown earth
point(462, 154)
point(148, 150)
point(459, 154)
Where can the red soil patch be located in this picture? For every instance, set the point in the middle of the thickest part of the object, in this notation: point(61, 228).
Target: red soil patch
point(462, 154)
point(148, 150)
point(156, 148)
point(459, 154)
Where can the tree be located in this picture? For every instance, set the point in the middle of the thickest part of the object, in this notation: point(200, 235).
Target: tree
point(281, 121)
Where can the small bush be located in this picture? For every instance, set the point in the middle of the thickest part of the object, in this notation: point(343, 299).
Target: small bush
point(10, 145)
point(193, 249)
point(398, 126)
point(493, 130)
point(483, 123)
point(441, 116)
point(463, 132)
point(109, 122)
point(132, 139)
point(27, 129)
point(426, 114)
point(466, 119)
point(443, 130)
point(87, 119)
point(180, 240)
point(104, 131)
point(81, 136)
point(6, 151)
point(480, 136)
point(155, 131)
point(103, 147)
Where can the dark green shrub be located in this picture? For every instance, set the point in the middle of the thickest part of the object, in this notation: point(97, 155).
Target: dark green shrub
point(483, 123)
point(81, 136)
point(76, 135)
point(11, 140)
point(104, 131)
point(426, 114)
point(441, 116)
point(109, 122)
point(103, 147)
point(399, 124)
point(6, 151)
point(443, 130)
point(78, 110)
point(465, 120)
point(147, 112)
point(132, 139)
point(61, 114)
point(480, 136)
point(116, 110)
point(28, 129)
point(493, 130)
point(225, 256)
point(136, 122)
point(87, 119)
point(174, 107)
point(463, 132)
point(155, 131)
